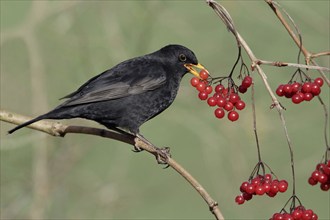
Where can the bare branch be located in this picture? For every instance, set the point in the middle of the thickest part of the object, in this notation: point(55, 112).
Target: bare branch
point(308, 56)
point(297, 65)
point(325, 53)
point(60, 130)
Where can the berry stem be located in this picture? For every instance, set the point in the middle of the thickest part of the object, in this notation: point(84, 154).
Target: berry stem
point(293, 199)
point(237, 60)
point(326, 116)
point(291, 154)
point(255, 122)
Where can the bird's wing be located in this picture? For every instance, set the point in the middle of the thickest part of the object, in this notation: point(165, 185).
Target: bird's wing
point(118, 82)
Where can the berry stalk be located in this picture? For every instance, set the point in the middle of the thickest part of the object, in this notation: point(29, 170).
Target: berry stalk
point(255, 122)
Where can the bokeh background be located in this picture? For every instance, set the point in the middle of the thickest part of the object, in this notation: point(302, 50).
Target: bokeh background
point(49, 48)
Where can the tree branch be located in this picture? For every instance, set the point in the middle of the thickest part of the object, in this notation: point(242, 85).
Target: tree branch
point(296, 65)
point(60, 130)
point(308, 55)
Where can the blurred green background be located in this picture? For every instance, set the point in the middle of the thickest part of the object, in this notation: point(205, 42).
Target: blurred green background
point(49, 48)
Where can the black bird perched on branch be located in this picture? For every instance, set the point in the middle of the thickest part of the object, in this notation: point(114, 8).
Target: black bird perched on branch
point(129, 94)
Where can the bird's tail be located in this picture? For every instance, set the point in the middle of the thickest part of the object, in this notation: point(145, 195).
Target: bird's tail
point(28, 123)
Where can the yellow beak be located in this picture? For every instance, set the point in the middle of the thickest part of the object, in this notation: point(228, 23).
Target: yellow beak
point(191, 69)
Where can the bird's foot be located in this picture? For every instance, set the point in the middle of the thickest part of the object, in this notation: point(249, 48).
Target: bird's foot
point(162, 155)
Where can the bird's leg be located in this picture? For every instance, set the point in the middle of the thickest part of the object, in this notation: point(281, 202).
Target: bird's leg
point(161, 154)
point(120, 131)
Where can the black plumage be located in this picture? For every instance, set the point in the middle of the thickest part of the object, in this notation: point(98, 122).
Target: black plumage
point(129, 94)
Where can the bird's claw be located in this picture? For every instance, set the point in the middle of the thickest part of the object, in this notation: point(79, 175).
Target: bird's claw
point(162, 155)
point(137, 149)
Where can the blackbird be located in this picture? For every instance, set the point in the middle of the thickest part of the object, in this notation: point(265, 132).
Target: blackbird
point(129, 94)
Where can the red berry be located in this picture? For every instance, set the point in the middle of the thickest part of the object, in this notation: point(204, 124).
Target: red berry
point(314, 217)
point(243, 186)
point(297, 214)
point(319, 81)
point(308, 96)
point(279, 90)
point(260, 190)
point(202, 95)
point(325, 186)
point(306, 87)
point(271, 194)
point(306, 216)
point(278, 216)
point(201, 86)
point(296, 99)
point(256, 181)
point(315, 175)
point(219, 88)
point(225, 92)
point(301, 208)
point(208, 89)
point(247, 81)
point(234, 97)
point(266, 187)
point(242, 89)
point(312, 181)
point(233, 116)
point(322, 178)
point(229, 106)
point(274, 186)
point(240, 105)
point(250, 189)
point(221, 102)
point(203, 74)
point(212, 101)
point(194, 81)
point(217, 95)
point(247, 196)
point(288, 95)
point(302, 95)
point(287, 216)
point(316, 90)
point(268, 176)
point(282, 186)
point(326, 170)
point(219, 113)
point(320, 166)
point(287, 89)
point(295, 87)
point(239, 200)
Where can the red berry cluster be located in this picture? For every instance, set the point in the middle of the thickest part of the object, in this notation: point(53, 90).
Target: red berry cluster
point(298, 213)
point(225, 99)
point(300, 92)
point(321, 175)
point(260, 185)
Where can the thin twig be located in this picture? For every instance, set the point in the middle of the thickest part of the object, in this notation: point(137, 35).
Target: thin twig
point(60, 130)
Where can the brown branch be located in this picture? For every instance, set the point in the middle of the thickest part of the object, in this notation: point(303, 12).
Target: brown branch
point(60, 130)
point(308, 55)
point(297, 65)
point(324, 53)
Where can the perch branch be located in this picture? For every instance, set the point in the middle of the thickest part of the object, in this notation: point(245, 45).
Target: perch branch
point(60, 130)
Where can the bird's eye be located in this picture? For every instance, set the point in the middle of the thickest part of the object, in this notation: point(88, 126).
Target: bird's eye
point(182, 57)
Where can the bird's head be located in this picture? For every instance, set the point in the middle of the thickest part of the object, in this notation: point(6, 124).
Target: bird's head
point(183, 58)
